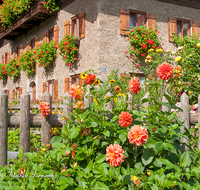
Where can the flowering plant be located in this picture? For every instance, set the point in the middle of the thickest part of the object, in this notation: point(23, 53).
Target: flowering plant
point(45, 109)
point(28, 62)
point(3, 71)
point(51, 5)
point(142, 39)
point(46, 53)
point(68, 49)
point(13, 69)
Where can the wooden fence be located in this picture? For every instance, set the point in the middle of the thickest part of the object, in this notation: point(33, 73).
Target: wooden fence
point(26, 120)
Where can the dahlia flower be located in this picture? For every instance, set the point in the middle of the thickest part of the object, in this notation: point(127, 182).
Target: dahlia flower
point(45, 109)
point(134, 85)
point(90, 79)
point(76, 92)
point(125, 119)
point(137, 135)
point(114, 154)
point(164, 71)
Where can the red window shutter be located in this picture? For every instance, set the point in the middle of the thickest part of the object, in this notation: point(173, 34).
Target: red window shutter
point(13, 53)
point(66, 27)
point(195, 29)
point(81, 25)
point(124, 21)
point(44, 87)
point(13, 93)
point(172, 28)
point(20, 92)
point(81, 81)
point(27, 45)
point(151, 21)
point(66, 84)
point(45, 37)
point(56, 34)
point(34, 94)
point(8, 57)
point(56, 89)
point(36, 41)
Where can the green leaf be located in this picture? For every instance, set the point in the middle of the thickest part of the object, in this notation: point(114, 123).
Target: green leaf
point(114, 118)
point(101, 186)
point(100, 159)
point(89, 166)
point(122, 138)
point(93, 124)
point(157, 163)
point(74, 132)
point(147, 156)
point(106, 133)
point(62, 180)
point(139, 168)
point(185, 159)
point(58, 145)
point(56, 139)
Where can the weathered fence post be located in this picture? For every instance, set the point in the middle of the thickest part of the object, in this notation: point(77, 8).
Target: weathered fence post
point(67, 105)
point(185, 117)
point(3, 127)
point(25, 122)
point(46, 121)
point(199, 119)
point(130, 101)
point(146, 104)
point(164, 108)
point(108, 106)
point(87, 100)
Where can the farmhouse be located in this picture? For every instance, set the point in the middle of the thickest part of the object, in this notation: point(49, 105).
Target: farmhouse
point(101, 29)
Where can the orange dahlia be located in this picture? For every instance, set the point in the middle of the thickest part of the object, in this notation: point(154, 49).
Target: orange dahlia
point(45, 109)
point(76, 92)
point(164, 71)
point(134, 85)
point(114, 154)
point(125, 119)
point(137, 135)
point(90, 79)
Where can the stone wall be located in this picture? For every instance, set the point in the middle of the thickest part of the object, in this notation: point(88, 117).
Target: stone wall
point(103, 46)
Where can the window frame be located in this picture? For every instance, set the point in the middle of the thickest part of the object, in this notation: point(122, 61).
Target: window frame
point(137, 12)
point(77, 79)
point(16, 92)
point(49, 31)
point(77, 26)
point(189, 26)
point(17, 53)
point(32, 42)
point(48, 86)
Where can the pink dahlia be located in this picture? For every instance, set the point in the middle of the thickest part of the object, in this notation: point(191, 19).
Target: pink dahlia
point(76, 92)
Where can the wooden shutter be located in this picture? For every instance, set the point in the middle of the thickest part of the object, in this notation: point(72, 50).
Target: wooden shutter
point(7, 92)
point(13, 53)
point(27, 45)
point(45, 37)
point(151, 21)
point(172, 28)
point(44, 87)
point(34, 94)
point(20, 49)
point(124, 21)
point(195, 29)
point(82, 25)
point(2, 60)
point(81, 81)
point(56, 89)
point(36, 41)
point(55, 29)
point(20, 92)
point(13, 93)
point(66, 84)
point(66, 27)
point(125, 76)
point(8, 57)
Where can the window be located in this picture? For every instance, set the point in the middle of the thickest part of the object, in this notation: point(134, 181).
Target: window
point(51, 87)
point(183, 27)
point(5, 58)
point(137, 19)
point(17, 92)
point(17, 52)
point(51, 35)
point(75, 79)
point(33, 43)
point(78, 26)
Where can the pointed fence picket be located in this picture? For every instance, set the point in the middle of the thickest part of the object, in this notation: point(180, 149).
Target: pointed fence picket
point(26, 120)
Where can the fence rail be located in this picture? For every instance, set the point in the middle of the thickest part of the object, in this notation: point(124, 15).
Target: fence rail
point(26, 120)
